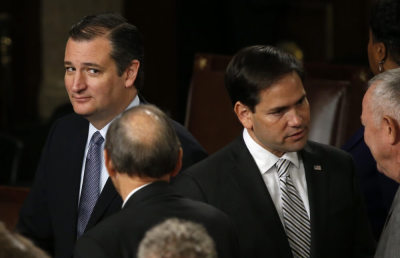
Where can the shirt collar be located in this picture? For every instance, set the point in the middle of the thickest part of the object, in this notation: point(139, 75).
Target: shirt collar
point(263, 158)
point(135, 102)
point(132, 192)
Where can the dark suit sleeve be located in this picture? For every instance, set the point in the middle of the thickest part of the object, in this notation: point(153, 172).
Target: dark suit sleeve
point(34, 218)
point(88, 247)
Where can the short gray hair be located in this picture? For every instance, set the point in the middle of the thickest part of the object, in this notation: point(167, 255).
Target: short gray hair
point(143, 142)
point(385, 98)
point(175, 238)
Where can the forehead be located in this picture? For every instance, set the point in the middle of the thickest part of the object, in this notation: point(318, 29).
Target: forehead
point(96, 50)
point(366, 102)
point(284, 92)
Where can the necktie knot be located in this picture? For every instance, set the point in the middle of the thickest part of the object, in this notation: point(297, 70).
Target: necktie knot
point(97, 138)
point(282, 165)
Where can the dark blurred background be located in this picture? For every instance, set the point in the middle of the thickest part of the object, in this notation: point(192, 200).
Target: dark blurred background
point(33, 35)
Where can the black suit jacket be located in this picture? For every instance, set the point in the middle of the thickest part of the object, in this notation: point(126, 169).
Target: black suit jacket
point(119, 235)
point(231, 181)
point(49, 214)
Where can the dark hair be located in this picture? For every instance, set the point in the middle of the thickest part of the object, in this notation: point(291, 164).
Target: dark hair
point(143, 142)
point(385, 26)
point(125, 39)
point(256, 68)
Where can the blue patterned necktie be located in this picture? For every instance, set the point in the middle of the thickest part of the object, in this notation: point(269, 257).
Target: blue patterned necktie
point(91, 182)
point(297, 223)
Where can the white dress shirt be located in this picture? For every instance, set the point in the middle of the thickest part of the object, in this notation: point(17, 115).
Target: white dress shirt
point(265, 161)
point(103, 132)
point(132, 192)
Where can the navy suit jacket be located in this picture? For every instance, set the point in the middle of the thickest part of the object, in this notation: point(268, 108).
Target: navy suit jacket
point(231, 181)
point(49, 214)
point(119, 235)
point(378, 190)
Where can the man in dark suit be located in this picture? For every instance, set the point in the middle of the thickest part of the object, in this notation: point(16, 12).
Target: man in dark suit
point(142, 153)
point(287, 196)
point(381, 120)
point(103, 74)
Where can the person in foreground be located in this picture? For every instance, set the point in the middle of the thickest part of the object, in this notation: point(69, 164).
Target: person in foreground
point(13, 245)
point(142, 153)
point(103, 77)
point(176, 238)
point(381, 119)
point(287, 196)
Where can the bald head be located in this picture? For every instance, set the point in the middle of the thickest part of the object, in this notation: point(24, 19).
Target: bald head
point(142, 142)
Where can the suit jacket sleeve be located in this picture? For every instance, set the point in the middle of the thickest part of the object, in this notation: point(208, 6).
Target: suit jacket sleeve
point(34, 219)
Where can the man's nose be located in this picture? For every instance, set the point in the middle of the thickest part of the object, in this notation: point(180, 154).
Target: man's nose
point(294, 118)
point(79, 82)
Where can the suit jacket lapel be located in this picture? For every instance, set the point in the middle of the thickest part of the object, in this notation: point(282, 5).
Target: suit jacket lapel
point(68, 179)
point(249, 179)
point(317, 187)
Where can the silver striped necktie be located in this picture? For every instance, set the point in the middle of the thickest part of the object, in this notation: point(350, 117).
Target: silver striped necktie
point(297, 223)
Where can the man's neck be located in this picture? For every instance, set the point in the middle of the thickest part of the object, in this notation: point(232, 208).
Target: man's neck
point(125, 184)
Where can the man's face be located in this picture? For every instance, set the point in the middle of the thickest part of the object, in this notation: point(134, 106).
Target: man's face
point(280, 122)
point(92, 82)
point(374, 137)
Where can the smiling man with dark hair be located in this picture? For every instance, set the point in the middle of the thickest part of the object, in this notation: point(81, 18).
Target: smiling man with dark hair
point(103, 77)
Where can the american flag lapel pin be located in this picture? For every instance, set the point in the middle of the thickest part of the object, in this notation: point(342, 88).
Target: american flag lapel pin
point(317, 167)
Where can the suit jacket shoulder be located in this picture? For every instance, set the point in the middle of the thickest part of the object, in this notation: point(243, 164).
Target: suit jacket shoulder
point(193, 152)
point(120, 234)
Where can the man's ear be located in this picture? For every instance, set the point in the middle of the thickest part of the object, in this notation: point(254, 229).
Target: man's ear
point(244, 114)
point(131, 73)
point(109, 164)
point(391, 129)
point(178, 165)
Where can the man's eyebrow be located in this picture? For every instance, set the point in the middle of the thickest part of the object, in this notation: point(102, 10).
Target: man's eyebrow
point(84, 64)
point(91, 65)
point(280, 108)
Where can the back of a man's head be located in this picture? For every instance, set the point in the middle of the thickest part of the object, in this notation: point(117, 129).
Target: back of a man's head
point(125, 39)
point(254, 69)
point(176, 238)
point(13, 245)
point(143, 142)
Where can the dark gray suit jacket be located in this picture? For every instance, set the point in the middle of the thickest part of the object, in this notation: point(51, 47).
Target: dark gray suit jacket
point(119, 235)
point(49, 214)
point(389, 242)
point(230, 180)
